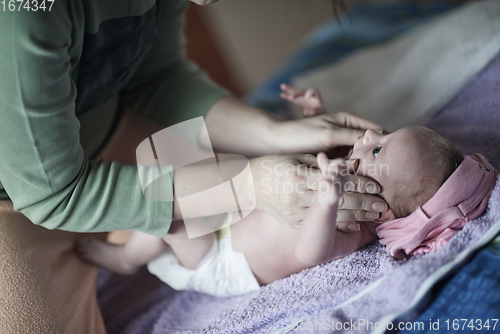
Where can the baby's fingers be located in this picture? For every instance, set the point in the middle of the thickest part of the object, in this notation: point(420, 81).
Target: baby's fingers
point(328, 166)
point(331, 183)
point(292, 91)
point(287, 97)
point(336, 167)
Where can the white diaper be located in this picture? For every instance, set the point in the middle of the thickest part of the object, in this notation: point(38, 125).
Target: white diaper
point(221, 273)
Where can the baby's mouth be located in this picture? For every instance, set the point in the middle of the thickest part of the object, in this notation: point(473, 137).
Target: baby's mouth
point(352, 165)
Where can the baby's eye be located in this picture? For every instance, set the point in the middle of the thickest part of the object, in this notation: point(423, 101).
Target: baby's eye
point(376, 151)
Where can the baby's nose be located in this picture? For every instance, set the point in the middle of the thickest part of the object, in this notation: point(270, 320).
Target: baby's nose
point(369, 135)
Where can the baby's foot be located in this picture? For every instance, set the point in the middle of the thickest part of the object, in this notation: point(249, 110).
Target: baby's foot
point(106, 255)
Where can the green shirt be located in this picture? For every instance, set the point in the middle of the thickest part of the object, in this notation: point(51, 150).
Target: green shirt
point(54, 67)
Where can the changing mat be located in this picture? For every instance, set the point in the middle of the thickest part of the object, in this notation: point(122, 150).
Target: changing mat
point(367, 284)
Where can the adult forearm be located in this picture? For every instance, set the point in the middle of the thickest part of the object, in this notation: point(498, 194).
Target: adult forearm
point(218, 185)
point(237, 127)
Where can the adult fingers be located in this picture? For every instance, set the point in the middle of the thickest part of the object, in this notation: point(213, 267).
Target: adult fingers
point(362, 184)
point(356, 215)
point(352, 121)
point(347, 227)
point(342, 136)
point(364, 202)
point(309, 160)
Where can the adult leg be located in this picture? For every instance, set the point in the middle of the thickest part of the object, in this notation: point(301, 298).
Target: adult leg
point(44, 286)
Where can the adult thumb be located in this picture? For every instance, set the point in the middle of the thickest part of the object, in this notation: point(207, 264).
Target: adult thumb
point(306, 159)
point(347, 137)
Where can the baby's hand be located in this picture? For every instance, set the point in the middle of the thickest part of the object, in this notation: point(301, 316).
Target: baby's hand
point(333, 179)
point(309, 99)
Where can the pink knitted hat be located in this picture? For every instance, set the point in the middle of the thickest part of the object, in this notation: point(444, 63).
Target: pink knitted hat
point(461, 198)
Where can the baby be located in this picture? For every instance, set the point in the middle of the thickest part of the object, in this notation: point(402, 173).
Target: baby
point(431, 189)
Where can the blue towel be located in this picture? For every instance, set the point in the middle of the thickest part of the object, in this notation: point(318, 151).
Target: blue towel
point(472, 294)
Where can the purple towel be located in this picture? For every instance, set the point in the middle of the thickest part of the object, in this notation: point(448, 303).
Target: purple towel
point(368, 284)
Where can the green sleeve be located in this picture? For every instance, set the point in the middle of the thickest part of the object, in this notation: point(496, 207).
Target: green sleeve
point(167, 88)
point(42, 167)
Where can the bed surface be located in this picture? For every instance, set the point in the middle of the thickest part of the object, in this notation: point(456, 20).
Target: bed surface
point(368, 284)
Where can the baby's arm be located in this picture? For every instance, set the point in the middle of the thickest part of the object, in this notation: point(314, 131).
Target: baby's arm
point(309, 99)
point(319, 242)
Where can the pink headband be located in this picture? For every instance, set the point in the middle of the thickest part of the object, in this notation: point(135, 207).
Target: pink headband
point(461, 198)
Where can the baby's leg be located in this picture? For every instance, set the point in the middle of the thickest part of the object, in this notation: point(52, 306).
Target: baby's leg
point(142, 248)
point(189, 252)
point(122, 259)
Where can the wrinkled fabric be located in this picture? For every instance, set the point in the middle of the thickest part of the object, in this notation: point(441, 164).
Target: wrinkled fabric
point(463, 197)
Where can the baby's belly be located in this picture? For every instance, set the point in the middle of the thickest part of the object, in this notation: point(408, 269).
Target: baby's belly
point(268, 246)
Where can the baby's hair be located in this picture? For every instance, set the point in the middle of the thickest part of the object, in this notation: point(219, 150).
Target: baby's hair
point(445, 158)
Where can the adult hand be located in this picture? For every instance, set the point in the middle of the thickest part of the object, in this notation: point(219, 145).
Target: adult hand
point(287, 185)
point(321, 133)
point(359, 202)
point(236, 127)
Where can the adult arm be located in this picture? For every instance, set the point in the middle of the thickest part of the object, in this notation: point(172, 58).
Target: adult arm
point(169, 89)
point(43, 168)
point(235, 126)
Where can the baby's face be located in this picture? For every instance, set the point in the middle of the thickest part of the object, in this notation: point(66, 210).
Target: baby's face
point(391, 159)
